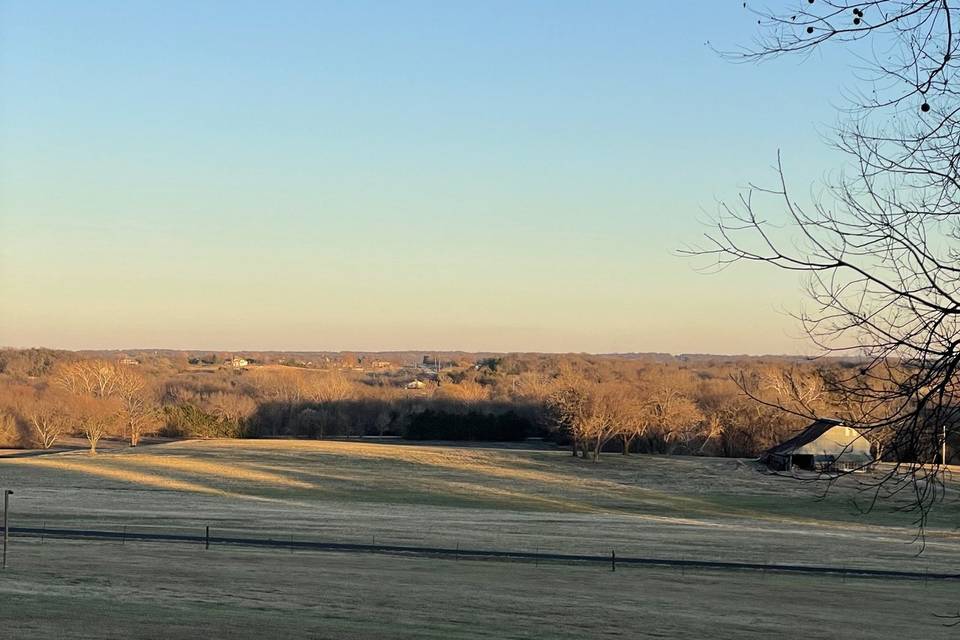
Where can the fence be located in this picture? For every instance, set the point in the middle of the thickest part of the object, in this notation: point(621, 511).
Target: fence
point(207, 538)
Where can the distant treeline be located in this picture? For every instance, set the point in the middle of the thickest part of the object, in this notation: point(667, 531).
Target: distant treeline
point(590, 403)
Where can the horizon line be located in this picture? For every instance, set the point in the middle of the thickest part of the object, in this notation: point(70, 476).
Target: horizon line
point(425, 351)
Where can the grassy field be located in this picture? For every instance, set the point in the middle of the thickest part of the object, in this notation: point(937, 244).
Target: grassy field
point(99, 590)
point(486, 498)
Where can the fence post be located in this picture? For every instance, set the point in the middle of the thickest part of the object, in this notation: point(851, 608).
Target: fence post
point(6, 530)
point(207, 540)
point(613, 560)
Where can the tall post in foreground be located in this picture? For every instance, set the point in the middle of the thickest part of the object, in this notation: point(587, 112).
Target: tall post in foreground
point(943, 451)
point(6, 530)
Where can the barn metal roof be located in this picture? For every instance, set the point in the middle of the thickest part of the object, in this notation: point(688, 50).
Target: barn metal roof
point(806, 436)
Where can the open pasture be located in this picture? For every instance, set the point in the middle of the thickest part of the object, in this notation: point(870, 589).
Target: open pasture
point(474, 497)
point(480, 498)
point(96, 590)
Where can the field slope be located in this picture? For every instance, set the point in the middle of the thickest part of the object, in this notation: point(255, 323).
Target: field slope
point(472, 497)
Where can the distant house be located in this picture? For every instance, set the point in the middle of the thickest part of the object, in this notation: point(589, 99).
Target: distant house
point(825, 445)
point(238, 363)
point(380, 364)
point(129, 361)
point(416, 384)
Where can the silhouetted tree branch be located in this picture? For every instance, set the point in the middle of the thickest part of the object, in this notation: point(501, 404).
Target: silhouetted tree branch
point(879, 250)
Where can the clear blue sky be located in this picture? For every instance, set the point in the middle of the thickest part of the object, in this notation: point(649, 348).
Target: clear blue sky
point(390, 175)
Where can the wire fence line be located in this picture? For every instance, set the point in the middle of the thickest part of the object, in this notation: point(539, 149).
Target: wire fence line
point(208, 538)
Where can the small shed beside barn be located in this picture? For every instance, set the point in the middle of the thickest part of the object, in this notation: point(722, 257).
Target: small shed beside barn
point(825, 445)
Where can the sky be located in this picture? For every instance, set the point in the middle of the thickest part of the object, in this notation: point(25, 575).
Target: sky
point(484, 176)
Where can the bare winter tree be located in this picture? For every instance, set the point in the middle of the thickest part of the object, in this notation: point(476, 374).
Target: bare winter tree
point(594, 414)
point(9, 433)
point(465, 392)
point(676, 417)
point(880, 249)
point(572, 408)
point(97, 417)
point(231, 407)
point(48, 420)
point(326, 387)
point(97, 378)
point(636, 417)
point(139, 409)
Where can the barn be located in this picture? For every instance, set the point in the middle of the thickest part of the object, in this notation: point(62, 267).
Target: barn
point(825, 445)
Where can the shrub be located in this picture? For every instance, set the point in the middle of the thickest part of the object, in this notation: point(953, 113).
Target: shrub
point(11, 433)
point(476, 426)
point(189, 421)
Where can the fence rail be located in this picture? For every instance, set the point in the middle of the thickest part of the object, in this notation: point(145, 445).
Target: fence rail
point(206, 539)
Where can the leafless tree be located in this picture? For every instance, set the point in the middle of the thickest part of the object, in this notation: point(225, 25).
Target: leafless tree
point(97, 417)
point(674, 416)
point(137, 401)
point(636, 418)
point(611, 411)
point(43, 410)
point(326, 387)
point(282, 385)
point(231, 407)
point(97, 378)
point(48, 421)
point(9, 433)
point(571, 406)
point(594, 414)
point(678, 418)
point(465, 392)
point(878, 249)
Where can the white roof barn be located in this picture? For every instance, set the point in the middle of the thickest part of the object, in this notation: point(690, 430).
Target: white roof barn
point(825, 445)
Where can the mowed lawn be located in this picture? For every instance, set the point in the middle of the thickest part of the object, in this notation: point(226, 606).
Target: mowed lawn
point(474, 497)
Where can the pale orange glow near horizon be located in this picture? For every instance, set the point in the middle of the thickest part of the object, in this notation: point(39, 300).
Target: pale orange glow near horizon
point(193, 196)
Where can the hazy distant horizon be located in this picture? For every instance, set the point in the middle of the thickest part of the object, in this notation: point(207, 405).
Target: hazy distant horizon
point(426, 351)
point(513, 345)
